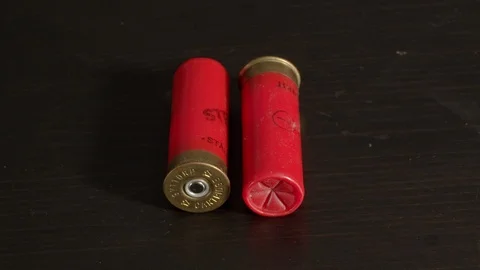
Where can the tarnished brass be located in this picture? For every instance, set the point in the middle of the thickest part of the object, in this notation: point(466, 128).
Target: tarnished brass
point(203, 169)
point(270, 64)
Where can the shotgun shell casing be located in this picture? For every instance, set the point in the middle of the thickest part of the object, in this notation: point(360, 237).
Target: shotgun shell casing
point(198, 145)
point(272, 152)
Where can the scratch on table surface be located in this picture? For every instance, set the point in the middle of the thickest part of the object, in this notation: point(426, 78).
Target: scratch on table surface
point(467, 110)
point(445, 20)
point(478, 249)
point(339, 93)
point(379, 137)
point(88, 59)
point(73, 250)
point(325, 114)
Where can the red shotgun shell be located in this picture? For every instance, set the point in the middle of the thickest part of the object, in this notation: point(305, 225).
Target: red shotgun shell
point(272, 151)
point(197, 179)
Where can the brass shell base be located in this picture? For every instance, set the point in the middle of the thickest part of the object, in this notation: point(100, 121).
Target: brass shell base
point(197, 165)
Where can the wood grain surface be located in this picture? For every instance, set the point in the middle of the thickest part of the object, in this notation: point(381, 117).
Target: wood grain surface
point(390, 103)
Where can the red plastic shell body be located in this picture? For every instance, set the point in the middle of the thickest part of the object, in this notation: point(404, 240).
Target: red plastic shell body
point(199, 114)
point(272, 152)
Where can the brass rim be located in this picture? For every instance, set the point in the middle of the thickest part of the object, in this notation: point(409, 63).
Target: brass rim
point(270, 64)
point(198, 156)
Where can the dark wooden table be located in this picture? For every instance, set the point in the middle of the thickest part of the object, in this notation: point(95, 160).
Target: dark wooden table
point(391, 107)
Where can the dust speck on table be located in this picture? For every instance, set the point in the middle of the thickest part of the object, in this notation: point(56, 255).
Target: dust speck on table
point(339, 93)
point(401, 53)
